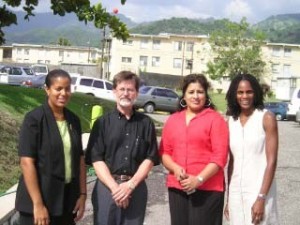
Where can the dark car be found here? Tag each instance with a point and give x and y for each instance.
(35, 82)
(278, 108)
(153, 98)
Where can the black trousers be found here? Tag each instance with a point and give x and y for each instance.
(106, 212)
(199, 208)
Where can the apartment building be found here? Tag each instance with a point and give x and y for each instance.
(165, 54)
(180, 55)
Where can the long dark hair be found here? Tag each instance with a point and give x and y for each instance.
(233, 107)
(196, 78)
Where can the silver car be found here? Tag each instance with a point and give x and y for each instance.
(153, 98)
(16, 75)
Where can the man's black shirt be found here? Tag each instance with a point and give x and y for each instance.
(123, 144)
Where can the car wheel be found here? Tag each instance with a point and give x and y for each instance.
(278, 117)
(149, 108)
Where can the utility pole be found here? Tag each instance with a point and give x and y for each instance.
(102, 52)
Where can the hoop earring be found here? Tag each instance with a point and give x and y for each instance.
(182, 103)
(209, 103)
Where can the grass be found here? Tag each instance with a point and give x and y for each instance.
(15, 103)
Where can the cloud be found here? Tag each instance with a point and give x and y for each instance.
(237, 9)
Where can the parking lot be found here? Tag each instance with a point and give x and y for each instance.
(287, 176)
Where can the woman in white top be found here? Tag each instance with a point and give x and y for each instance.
(253, 155)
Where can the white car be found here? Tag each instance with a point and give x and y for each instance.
(99, 88)
(294, 105)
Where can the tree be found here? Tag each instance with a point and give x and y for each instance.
(63, 42)
(236, 50)
(82, 8)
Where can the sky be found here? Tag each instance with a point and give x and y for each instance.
(151, 10)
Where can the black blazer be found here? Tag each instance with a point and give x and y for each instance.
(40, 139)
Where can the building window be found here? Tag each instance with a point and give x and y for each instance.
(126, 59)
(294, 84)
(287, 52)
(286, 70)
(47, 61)
(155, 61)
(19, 51)
(156, 44)
(177, 63)
(275, 68)
(26, 51)
(276, 51)
(143, 60)
(189, 46)
(40, 61)
(178, 45)
(144, 43)
(128, 42)
(61, 53)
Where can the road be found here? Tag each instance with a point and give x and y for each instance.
(287, 177)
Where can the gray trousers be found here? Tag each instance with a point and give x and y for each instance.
(106, 212)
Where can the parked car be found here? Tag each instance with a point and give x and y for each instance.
(35, 82)
(153, 98)
(278, 108)
(15, 75)
(294, 105)
(92, 86)
(40, 69)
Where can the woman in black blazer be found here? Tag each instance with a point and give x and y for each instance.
(52, 187)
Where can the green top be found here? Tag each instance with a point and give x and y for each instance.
(65, 136)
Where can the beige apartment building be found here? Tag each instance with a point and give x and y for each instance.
(180, 55)
(165, 54)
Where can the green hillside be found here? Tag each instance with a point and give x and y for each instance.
(283, 28)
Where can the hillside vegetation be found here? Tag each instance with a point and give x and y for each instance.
(15, 103)
(46, 28)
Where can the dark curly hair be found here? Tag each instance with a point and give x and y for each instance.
(196, 78)
(233, 107)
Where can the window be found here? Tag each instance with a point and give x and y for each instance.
(126, 59)
(287, 52)
(144, 43)
(143, 60)
(177, 63)
(26, 51)
(109, 86)
(275, 68)
(171, 94)
(159, 92)
(61, 53)
(16, 71)
(178, 45)
(144, 90)
(86, 82)
(19, 50)
(156, 44)
(128, 42)
(155, 61)
(98, 84)
(189, 46)
(276, 51)
(286, 70)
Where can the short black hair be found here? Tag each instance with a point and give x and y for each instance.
(233, 108)
(54, 74)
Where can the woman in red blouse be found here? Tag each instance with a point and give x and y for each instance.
(194, 149)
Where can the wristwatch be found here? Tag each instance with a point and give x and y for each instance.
(200, 179)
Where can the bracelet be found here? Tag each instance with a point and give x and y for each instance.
(131, 185)
(261, 196)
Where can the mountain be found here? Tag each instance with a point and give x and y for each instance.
(283, 28)
(46, 28)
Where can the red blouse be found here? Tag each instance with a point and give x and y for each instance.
(193, 146)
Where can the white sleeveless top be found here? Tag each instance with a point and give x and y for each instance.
(247, 145)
